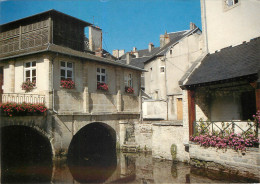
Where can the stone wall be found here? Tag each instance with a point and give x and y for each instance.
(244, 164)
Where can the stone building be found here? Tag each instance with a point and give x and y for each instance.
(223, 88)
(50, 47)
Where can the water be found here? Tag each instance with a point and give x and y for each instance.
(120, 168)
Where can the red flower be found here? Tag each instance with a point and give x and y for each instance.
(129, 89)
(102, 86)
(67, 84)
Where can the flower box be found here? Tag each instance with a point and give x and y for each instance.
(67, 84)
(129, 89)
(28, 85)
(15, 109)
(102, 86)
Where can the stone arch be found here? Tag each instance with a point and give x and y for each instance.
(26, 148)
(33, 126)
(93, 147)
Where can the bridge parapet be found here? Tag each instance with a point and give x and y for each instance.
(20, 98)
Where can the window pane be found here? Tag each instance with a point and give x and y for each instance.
(27, 73)
(98, 70)
(34, 63)
(98, 78)
(103, 71)
(62, 64)
(27, 79)
(27, 65)
(34, 79)
(62, 78)
(33, 73)
(62, 73)
(69, 74)
(103, 78)
(69, 65)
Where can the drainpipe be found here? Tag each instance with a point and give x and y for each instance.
(52, 73)
(166, 88)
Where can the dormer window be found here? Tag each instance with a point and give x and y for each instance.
(228, 4)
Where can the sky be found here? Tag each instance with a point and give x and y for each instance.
(125, 23)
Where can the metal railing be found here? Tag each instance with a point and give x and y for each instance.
(20, 98)
(223, 127)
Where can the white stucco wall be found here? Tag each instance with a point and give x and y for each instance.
(232, 26)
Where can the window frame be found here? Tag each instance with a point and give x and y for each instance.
(66, 69)
(129, 80)
(100, 73)
(31, 68)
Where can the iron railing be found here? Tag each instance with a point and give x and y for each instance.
(223, 127)
(20, 98)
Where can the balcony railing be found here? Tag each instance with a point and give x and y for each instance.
(222, 127)
(20, 98)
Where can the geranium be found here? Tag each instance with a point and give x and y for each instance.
(67, 84)
(102, 86)
(12, 108)
(257, 118)
(129, 89)
(28, 85)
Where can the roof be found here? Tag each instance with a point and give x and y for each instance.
(146, 56)
(65, 51)
(41, 15)
(230, 63)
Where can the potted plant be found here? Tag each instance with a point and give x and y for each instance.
(129, 89)
(102, 86)
(28, 85)
(67, 84)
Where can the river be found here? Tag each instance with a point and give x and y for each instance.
(119, 168)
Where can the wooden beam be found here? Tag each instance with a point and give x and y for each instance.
(257, 99)
(191, 110)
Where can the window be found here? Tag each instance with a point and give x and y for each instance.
(162, 69)
(66, 70)
(228, 4)
(129, 80)
(30, 71)
(171, 52)
(101, 75)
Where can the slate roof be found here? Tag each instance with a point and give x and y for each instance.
(230, 63)
(146, 56)
(65, 51)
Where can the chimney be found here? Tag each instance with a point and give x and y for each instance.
(164, 39)
(115, 53)
(192, 26)
(95, 38)
(121, 52)
(128, 58)
(134, 49)
(99, 53)
(150, 47)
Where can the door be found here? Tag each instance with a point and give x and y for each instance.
(179, 109)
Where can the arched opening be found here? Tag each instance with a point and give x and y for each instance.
(92, 153)
(26, 155)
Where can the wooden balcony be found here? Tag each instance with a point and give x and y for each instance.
(20, 98)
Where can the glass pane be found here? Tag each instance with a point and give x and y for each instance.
(98, 78)
(27, 79)
(69, 74)
(103, 78)
(27, 65)
(98, 70)
(62, 64)
(27, 73)
(34, 63)
(34, 79)
(103, 71)
(69, 65)
(62, 73)
(62, 78)
(33, 73)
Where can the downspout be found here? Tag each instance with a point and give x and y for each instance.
(166, 88)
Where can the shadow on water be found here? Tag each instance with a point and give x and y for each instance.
(92, 154)
(26, 156)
